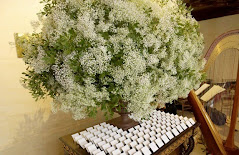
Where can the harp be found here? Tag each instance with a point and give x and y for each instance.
(228, 40)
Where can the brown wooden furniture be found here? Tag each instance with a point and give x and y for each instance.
(211, 136)
(173, 147)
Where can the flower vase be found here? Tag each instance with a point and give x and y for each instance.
(124, 121)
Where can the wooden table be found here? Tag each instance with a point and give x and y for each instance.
(174, 146)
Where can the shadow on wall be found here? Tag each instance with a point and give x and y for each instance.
(38, 137)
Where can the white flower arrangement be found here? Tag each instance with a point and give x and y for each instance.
(91, 54)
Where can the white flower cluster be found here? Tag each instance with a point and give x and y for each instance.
(144, 52)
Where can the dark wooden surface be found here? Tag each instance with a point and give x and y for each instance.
(68, 141)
